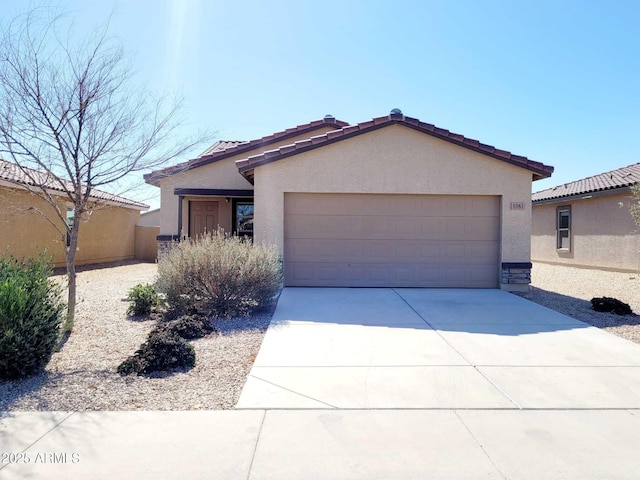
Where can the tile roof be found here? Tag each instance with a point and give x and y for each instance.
(622, 177)
(247, 165)
(220, 146)
(226, 148)
(11, 172)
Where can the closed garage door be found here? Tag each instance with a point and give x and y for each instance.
(361, 240)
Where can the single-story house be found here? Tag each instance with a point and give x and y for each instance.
(25, 230)
(587, 223)
(389, 202)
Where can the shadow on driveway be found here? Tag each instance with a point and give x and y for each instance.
(474, 310)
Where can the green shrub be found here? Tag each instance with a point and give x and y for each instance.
(144, 299)
(188, 327)
(610, 305)
(31, 312)
(160, 353)
(219, 275)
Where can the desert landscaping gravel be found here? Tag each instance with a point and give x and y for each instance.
(82, 376)
(569, 289)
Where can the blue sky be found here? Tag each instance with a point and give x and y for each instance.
(556, 81)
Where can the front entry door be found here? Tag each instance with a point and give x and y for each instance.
(203, 217)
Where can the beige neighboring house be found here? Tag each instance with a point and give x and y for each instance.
(389, 202)
(150, 218)
(587, 223)
(108, 236)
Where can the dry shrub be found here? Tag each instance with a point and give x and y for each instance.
(219, 275)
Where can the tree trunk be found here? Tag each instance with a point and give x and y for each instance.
(71, 298)
(71, 282)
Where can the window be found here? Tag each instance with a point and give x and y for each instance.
(243, 213)
(563, 228)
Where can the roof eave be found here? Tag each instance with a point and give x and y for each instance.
(539, 170)
(61, 193)
(152, 179)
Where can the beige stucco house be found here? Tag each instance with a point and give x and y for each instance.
(108, 236)
(587, 223)
(391, 201)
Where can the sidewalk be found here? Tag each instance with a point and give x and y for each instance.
(322, 444)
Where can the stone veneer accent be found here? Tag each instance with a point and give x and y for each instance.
(165, 243)
(516, 273)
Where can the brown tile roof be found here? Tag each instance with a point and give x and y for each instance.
(247, 165)
(622, 177)
(10, 172)
(220, 146)
(226, 149)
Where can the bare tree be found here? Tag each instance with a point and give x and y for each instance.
(72, 118)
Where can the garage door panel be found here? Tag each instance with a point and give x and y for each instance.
(483, 228)
(339, 227)
(308, 204)
(385, 275)
(479, 252)
(391, 240)
(342, 227)
(460, 206)
(469, 228)
(455, 206)
(411, 205)
(484, 207)
(399, 251)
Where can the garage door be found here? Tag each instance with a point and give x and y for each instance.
(361, 240)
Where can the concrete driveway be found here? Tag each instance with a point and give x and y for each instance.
(435, 348)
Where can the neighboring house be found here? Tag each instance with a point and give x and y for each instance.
(25, 232)
(587, 223)
(150, 218)
(390, 202)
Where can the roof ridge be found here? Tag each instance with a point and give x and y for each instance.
(327, 120)
(604, 173)
(395, 117)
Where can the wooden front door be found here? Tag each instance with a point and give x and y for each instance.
(203, 217)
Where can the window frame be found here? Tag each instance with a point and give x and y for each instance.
(565, 209)
(236, 202)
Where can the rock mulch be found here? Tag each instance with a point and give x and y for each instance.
(82, 376)
(569, 290)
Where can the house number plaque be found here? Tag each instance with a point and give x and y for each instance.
(517, 205)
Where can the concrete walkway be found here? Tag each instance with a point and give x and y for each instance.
(377, 384)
